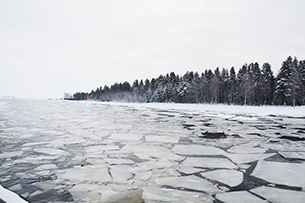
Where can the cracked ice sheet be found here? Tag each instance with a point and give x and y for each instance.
(197, 150)
(293, 155)
(162, 139)
(280, 195)
(83, 192)
(86, 173)
(208, 162)
(120, 174)
(247, 158)
(144, 151)
(247, 149)
(188, 182)
(126, 136)
(239, 197)
(52, 151)
(290, 174)
(8, 196)
(36, 160)
(231, 178)
(156, 195)
(10, 154)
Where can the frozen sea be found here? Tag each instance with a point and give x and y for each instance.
(69, 151)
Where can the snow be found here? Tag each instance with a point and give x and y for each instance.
(223, 108)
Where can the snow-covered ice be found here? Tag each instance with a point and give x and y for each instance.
(68, 151)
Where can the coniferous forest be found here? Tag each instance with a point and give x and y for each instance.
(252, 84)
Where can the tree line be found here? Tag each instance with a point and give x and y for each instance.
(250, 85)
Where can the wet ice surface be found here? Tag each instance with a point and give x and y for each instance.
(58, 151)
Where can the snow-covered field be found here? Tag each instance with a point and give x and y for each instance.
(67, 151)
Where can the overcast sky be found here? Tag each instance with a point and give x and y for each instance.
(48, 47)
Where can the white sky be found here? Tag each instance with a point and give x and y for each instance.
(48, 47)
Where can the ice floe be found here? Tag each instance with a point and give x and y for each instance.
(52, 151)
(8, 196)
(192, 149)
(156, 195)
(239, 197)
(293, 154)
(231, 178)
(187, 182)
(280, 195)
(208, 162)
(281, 173)
(247, 158)
(10, 154)
(85, 173)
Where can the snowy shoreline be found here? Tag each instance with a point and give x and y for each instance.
(297, 111)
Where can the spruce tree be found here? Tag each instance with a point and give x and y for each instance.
(267, 84)
(288, 84)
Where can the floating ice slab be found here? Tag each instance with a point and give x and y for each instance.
(83, 192)
(45, 167)
(126, 136)
(36, 160)
(154, 194)
(248, 148)
(119, 161)
(247, 158)
(120, 174)
(162, 139)
(52, 151)
(191, 149)
(231, 178)
(293, 155)
(188, 169)
(10, 154)
(148, 151)
(86, 173)
(280, 195)
(8, 196)
(208, 162)
(100, 149)
(239, 197)
(189, 182)
(281, 173)
(149, 165)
